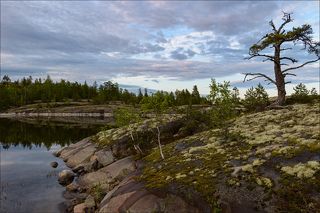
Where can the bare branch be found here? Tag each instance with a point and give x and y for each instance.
(289, 48)
(287, 19)
(273, 26)
(268, 59)
(289, 74)
(257, 75)
(287, 82)
(159, 143)
(259, 55)
(302, 65)
(290, 59)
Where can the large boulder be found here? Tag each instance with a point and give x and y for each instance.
(148, 203)
(104, 157)
(115, 203)
(65, 177)
(92, 179)
(120, 168)
(88, 166)
(132, 196)
(81, 156)
(109, 174)
(65, 152)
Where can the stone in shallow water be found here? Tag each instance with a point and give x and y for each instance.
(54, 164)
(65, 177)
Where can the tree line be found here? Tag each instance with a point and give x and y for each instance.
(29, 91)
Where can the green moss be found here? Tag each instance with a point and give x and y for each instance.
(258, 145)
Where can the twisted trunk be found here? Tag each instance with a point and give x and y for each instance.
(279, 77)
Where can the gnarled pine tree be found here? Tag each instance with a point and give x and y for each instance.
(276, 39)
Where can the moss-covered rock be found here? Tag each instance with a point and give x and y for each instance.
(250, 167)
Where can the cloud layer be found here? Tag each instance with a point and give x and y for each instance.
(178, 41)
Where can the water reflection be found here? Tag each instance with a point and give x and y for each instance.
(39, 133)
(28, 183)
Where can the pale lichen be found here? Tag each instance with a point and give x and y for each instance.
(263, 181)
(300, 170)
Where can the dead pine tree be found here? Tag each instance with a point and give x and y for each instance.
(278, 40)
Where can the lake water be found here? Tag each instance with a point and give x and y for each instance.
(28, 182)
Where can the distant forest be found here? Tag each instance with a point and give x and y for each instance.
(29, 90)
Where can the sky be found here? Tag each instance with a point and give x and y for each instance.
(163, 45)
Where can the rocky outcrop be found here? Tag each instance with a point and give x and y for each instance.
(269, 160)
(132, 196)
(126, 140)
(266, 162)
(107, 174)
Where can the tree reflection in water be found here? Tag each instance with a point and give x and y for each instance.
(42, 133)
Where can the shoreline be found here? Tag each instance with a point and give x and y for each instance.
(115, 179)
(54, 114)
(107, 179)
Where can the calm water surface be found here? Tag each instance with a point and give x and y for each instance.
(28, 182)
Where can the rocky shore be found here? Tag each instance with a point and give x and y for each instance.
(106, 184)
(106, 179)
(265, 162)
(53, 114)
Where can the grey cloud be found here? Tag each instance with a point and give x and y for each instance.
(181, 54)
(178, 55)
(72, 37)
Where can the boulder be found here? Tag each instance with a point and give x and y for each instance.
(119, 169)
(70, 150)
(115, 203)
(65, 177)
(57, 153)
(148, 203)
(110, 194)
(92, 179)
(54, 164)
(90, 166)
(104, 157)
(72, 187)
(108, 175)
(80, 208)
(81, 156)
